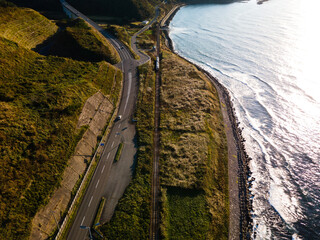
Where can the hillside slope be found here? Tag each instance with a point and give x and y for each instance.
(25, 26)
(40, 102)
(81, 42)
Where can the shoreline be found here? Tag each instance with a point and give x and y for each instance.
(240, 220)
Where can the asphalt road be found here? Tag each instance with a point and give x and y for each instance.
(111, 179)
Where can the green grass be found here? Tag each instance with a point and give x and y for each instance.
(118, 154)
(40, 102)
(193, 154)
(187, 214)
(26, 27)
(147, 39)
(131, 219)
(81, 42)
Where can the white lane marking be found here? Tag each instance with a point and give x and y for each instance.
(108, 155)
(103, 168)
(127, 55)
(128, 94)
(119, 126)
(112, 144)
(83, 220)
(97, 183)
(90, 201)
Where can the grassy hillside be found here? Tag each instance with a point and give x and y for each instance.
(40, 102)
(131, 219)
(26, 27)
(79, 41)
(193, 158)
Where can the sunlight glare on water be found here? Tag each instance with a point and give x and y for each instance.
(268, 57)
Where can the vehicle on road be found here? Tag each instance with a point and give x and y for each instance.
(118, 117)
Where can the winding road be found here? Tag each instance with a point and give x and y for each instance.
(111, 179)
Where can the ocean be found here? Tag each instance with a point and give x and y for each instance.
(267, 56)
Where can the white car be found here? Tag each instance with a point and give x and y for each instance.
(118, 117)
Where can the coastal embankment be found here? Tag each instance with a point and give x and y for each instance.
(240, 221)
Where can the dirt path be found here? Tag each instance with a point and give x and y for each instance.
(240, 223)
(233, 170)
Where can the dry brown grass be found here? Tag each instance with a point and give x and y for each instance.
(183, 155)
(189, 104)
(193, 152)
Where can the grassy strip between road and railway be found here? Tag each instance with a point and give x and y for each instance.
(131, 219)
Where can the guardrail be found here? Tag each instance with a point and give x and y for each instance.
(80, 189)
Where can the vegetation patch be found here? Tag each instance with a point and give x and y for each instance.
(40, 102)
(99, 211)
(184, 154)
(118, 154)
(131, 219)
(147, 39)
(187, 214)
(81, 42)
(193, 156)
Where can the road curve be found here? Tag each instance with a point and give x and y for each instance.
(111, 179)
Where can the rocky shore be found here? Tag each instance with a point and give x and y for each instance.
(242, 173)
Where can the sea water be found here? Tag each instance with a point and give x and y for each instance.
(268, 57)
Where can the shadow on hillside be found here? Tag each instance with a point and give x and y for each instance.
(75, 40)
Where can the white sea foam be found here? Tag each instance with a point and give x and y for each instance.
(259, 53)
